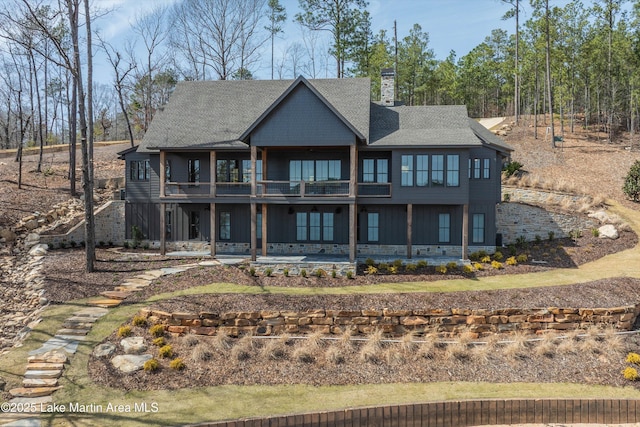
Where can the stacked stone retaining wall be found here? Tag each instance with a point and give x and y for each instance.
(447, 322)
(109, 222)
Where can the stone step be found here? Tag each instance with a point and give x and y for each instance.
(129, 287)
(154, 273)
(105, 303)
(39, 382)
(81, 320)
(73, 331)
(44, 366)
(77, 325)
(9, 418)
(32, 400)
(92, 312)
(138, 281)
(33, 392)
(116, 294)
(49, 357)
(147, 277)
(36, 374)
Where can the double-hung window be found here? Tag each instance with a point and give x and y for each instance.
(478, 228)
(225, 226)
(375, 170)
(140, 170)
(314, 226)
(373, 227)
(193, 166)
(453, 170)
(437, 170)
(194, 225)
(407, 171)
(444, 228)
(476, 169)
(486, 168)
(422, 170)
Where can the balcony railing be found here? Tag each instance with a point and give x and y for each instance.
(302, 188)
(275, 189)
(374, 189)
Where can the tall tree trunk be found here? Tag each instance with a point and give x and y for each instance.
(517, 73)
(549, 88)
(87, 144)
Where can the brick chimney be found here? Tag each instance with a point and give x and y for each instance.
(387, 88)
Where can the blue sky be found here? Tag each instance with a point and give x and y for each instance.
(457, 25)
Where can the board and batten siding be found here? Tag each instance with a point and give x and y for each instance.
(302, 120)
(146, 190)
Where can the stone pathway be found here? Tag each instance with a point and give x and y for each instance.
(45, 365)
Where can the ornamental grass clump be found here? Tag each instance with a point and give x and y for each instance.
(275, 349)
(496, 265)
(335, 355)
(201, 353)
(511, 261)
(243, 348)
(156, 331)
(166, 351)
(442, 269)
(125, 331)
(177, 364)
(159, 342)
(151, 365)
(304, 354)
(630, 373)
(139, 321)
(371, 270)
(633, 358)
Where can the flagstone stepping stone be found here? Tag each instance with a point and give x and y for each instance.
(105, 303)
(146, 277)
(130, 363)
(77, 325)
(133, 345)
(32, 392)
(154, 273)
(42, 374)
(58, 342)
(137, 281)
(73, 331)
(49, 357)
(81, 320)
(39, 382)
(34, 400)
(19, 419)
(172, 270)
(116, 294)
(104, 350)
(43, 366)
(211, 263)
(93, 312)
(128, 288)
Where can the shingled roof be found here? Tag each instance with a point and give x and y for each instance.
(216, 114)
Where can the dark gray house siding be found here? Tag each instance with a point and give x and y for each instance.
(302, 120)
(145, 216)
(146, 189)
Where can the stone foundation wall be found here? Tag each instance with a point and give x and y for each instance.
(341, 269)
(394, 322)
(110, 225)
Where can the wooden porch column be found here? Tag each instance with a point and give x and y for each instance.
(163, 224)
(352, 232)
(254, 233)
(353, 170)
(465, 230)
(163, 173)
(264, 229)
(409, 229)
(212, 171)
(254, 159)
(212, 220)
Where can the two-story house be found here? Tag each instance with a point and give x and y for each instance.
(313, 166)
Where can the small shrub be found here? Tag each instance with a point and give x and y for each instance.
(334, 274)
(411, 267)
(383, 266)
(478, 266)
(630, 373)
(538, 239)
(303, 273)
(511, 168)
(349, 274)
(633, 358)
(595, 232)
(124, 331)
(512, 250)
(423, 264)
(110, 243)
(393, 269)
(156, 331)
(100, 243)
(372, 270)
(63, 245)
(268, 272)
(485, 259)
(139, 321)
(467, 269)
(498, 256)
(397, 263)
(551, 235)
(631, 185)
(285, 272)
(496, 265)
(159, 342)
(521, 241)
(177, 364)
(452, 266)
(151, 365)
(252, 271)
(506, 197)
(145, 246)
(166, 351)
(522, 258)
(511, 261)
(442, 269)
(320, 273)
(369, 261)
(73, 243)
(575, 234)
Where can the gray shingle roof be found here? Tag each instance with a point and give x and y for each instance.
(207, 114)
(441, 125)
(489, 138)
